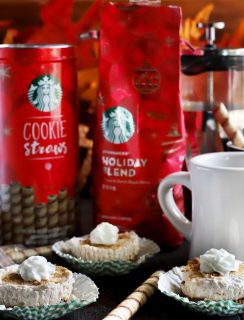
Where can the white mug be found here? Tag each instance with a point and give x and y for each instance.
(216, 181)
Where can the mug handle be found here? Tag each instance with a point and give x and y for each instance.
(168, 205)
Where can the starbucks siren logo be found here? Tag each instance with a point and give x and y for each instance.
(118, 125)
(45, 93)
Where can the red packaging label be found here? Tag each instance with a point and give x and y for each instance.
(140, 134)
(39, 146)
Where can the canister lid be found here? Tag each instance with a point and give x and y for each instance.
(43, 52)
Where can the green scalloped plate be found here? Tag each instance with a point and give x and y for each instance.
(84, 293)
(108, 268)
(169, 285)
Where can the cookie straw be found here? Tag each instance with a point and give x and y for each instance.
(41, 217)
(1, 229)
(6, 215)
(52, 211)
(63, 207)
(18, 254)
(5, 260)
(16, 209)
(28, 211)
(222, 117)
(41, 223)
(127, 308)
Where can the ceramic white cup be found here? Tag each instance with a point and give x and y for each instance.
(216, 181)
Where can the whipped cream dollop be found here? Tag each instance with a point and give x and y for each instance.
(105, 233)
(220, 261)
(36, 268)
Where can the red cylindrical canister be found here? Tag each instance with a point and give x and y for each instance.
(38, 143)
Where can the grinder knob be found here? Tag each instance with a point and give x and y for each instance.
(210, 29)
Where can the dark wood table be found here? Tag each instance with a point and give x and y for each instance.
(113, 290)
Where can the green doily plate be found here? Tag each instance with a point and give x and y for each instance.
(84, 292)
(109, 268)
(169, 284)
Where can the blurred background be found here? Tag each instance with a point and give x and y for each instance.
(22, 13)
(62, 21)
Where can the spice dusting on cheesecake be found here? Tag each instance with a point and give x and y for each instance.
(105, 243)
(36, 282)
(215, 275)
(59, 274)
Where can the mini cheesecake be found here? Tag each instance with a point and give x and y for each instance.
(126, 248)
(14, 291)
(212, 286)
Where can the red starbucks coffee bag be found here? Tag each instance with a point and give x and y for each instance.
(140, 132)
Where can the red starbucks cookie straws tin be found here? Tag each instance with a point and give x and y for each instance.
(38, 143)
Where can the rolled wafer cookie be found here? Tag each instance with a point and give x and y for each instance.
(40, 215)
(16, 209)
(127, 308)
(28, 201)
(63, 207)
(62, 194)
(27, 191)
(222, 117)
(5, 260)
(15, 188)
(28, 210)
(1, 231)
(52, 211)
(16, 198)
(6, 214)
(45, 251)
(18, 255)
(4, 188)
(28, 216)
(15, 191)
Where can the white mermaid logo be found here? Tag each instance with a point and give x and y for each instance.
(45, 93)
(118, 125)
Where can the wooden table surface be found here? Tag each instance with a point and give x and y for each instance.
(114, 290)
